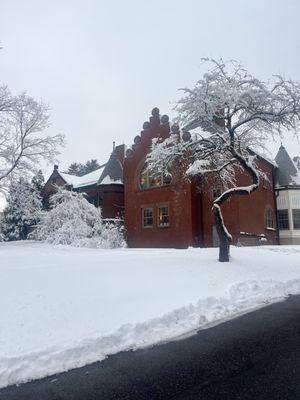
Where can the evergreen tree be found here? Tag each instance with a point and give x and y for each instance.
(91, 166)
(22, 211)
(79, 169)
(76, 169)
(38, 181)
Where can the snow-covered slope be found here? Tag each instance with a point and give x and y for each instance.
(63, 307)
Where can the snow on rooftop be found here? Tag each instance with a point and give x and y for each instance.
(85, 180)
(109, 181)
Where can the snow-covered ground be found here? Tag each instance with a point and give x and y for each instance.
(64, 307)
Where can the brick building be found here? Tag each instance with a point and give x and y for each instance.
(103, 187)
(170, 211)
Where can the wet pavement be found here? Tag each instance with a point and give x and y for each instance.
(255, 356)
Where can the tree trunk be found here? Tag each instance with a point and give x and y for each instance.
(224, 237)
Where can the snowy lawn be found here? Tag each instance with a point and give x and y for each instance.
(64, 307)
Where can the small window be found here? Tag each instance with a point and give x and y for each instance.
(296, 219)
(163, 219)
(216, 192)
(269, 219)
(283, 219)
(147, 215)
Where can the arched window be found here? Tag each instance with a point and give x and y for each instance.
(148, 179)
(269, 218)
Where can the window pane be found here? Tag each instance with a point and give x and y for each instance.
(283, 219)
(149, 179)
(269, 221)
(154, 181)
(163, 216)
(167, 178)
(296, 219)
(143, 180)
(147, 217)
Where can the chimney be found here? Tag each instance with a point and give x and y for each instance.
(55, 167)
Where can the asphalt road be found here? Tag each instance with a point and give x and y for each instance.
(256, 356)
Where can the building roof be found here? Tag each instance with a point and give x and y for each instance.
(110, 173)
(84, 180)
(288, 173)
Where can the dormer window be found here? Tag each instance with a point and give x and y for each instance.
(148, 179)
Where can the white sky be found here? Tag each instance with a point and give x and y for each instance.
(103, 65)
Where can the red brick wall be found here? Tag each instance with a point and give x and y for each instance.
(191, 218)
(178, 196)
(244, 213)
(112, 203)
(49, 188)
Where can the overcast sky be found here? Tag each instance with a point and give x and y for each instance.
(103, 65)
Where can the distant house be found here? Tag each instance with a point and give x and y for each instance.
(288, 197)
(170, 211)
(103, 187)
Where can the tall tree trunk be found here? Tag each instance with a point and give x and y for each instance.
(224, 235)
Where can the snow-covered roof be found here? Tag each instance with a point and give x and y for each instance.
(109, 181)
(264, 157)
(85, 180)
(288, 173)
(113, 171)
(110, 173)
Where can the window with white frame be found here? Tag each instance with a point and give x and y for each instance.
(147, 217)
(163, 217)
(283, 220)
(269, 219)
(296, 219)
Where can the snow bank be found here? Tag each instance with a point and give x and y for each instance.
(65, 307)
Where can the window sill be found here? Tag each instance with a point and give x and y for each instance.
(271, 229)
(139, 189)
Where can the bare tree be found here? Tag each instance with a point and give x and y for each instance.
(229, 112)
(22, 141)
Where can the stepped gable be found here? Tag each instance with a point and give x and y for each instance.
(157, 127)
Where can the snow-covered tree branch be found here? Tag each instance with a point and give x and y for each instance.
(72, 220)
(22, 141)
(230, 113)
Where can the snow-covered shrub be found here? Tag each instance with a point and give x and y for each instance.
(1, 233)
(23, 210)
(72, 220)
